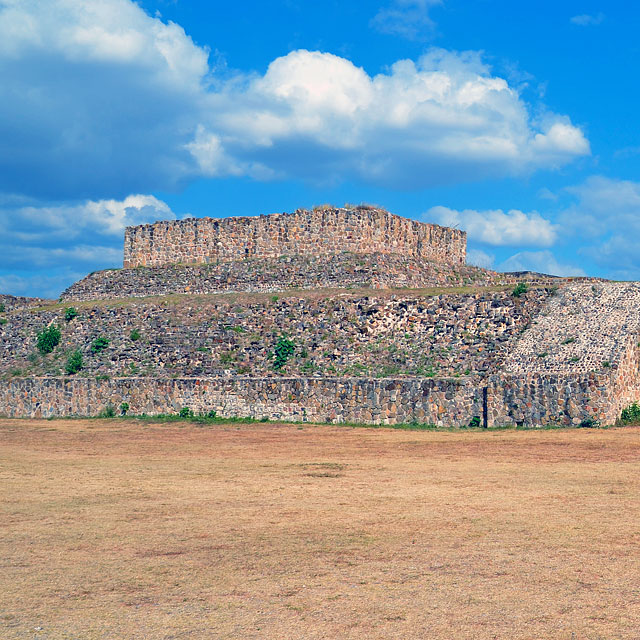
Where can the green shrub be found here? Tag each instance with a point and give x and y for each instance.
(590, 423)
(631, 414)
(134, 335)
(2, 307)
(474, 423)
(99, 344)
(520, 289)
(124, 407)
(48, 339)
(107, 412)
(283, 351)
(3, 321)
(74, 362)
(185, 412)
(274, 298)
(70, 313)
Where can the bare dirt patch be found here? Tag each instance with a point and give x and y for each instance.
(112, 529)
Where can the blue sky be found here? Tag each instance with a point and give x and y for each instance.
(514, 121)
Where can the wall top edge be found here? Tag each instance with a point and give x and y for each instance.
(297, 212)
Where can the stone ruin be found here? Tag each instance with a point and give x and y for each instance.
(322, 231)
(388, 325)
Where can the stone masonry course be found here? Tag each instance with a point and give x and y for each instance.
(322, 231)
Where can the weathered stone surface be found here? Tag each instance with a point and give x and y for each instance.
(299, 399)
(322, 231)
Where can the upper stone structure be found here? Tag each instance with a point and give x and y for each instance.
(322, 231)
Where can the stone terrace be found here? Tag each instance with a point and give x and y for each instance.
(405, 334)
(342, 270)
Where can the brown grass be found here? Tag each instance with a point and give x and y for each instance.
(115, 529)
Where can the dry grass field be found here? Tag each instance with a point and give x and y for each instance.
(120, 529)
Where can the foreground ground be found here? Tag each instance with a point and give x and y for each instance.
(113, 529)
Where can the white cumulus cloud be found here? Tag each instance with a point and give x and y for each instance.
(441, 119)
(99, 100)
(497, 227)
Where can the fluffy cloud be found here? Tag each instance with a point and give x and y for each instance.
(101, 100)
(406, 18)
(539, 261)
(441, 119)
(497, 227)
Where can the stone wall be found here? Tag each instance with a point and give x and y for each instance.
(551, 399)
(324, 231)
(532, 400)
(386, 401)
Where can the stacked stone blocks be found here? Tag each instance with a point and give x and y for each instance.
(318, 232)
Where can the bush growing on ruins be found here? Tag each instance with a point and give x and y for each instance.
(70, 313)
(124, 407)
(520, 289)
(134, 335)
(283, 351)
(590, 423)
(631, 414)
(3, 321)
(99, 344)
(185, 412)
(74, 362)
(48, 339)
(2, 308)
